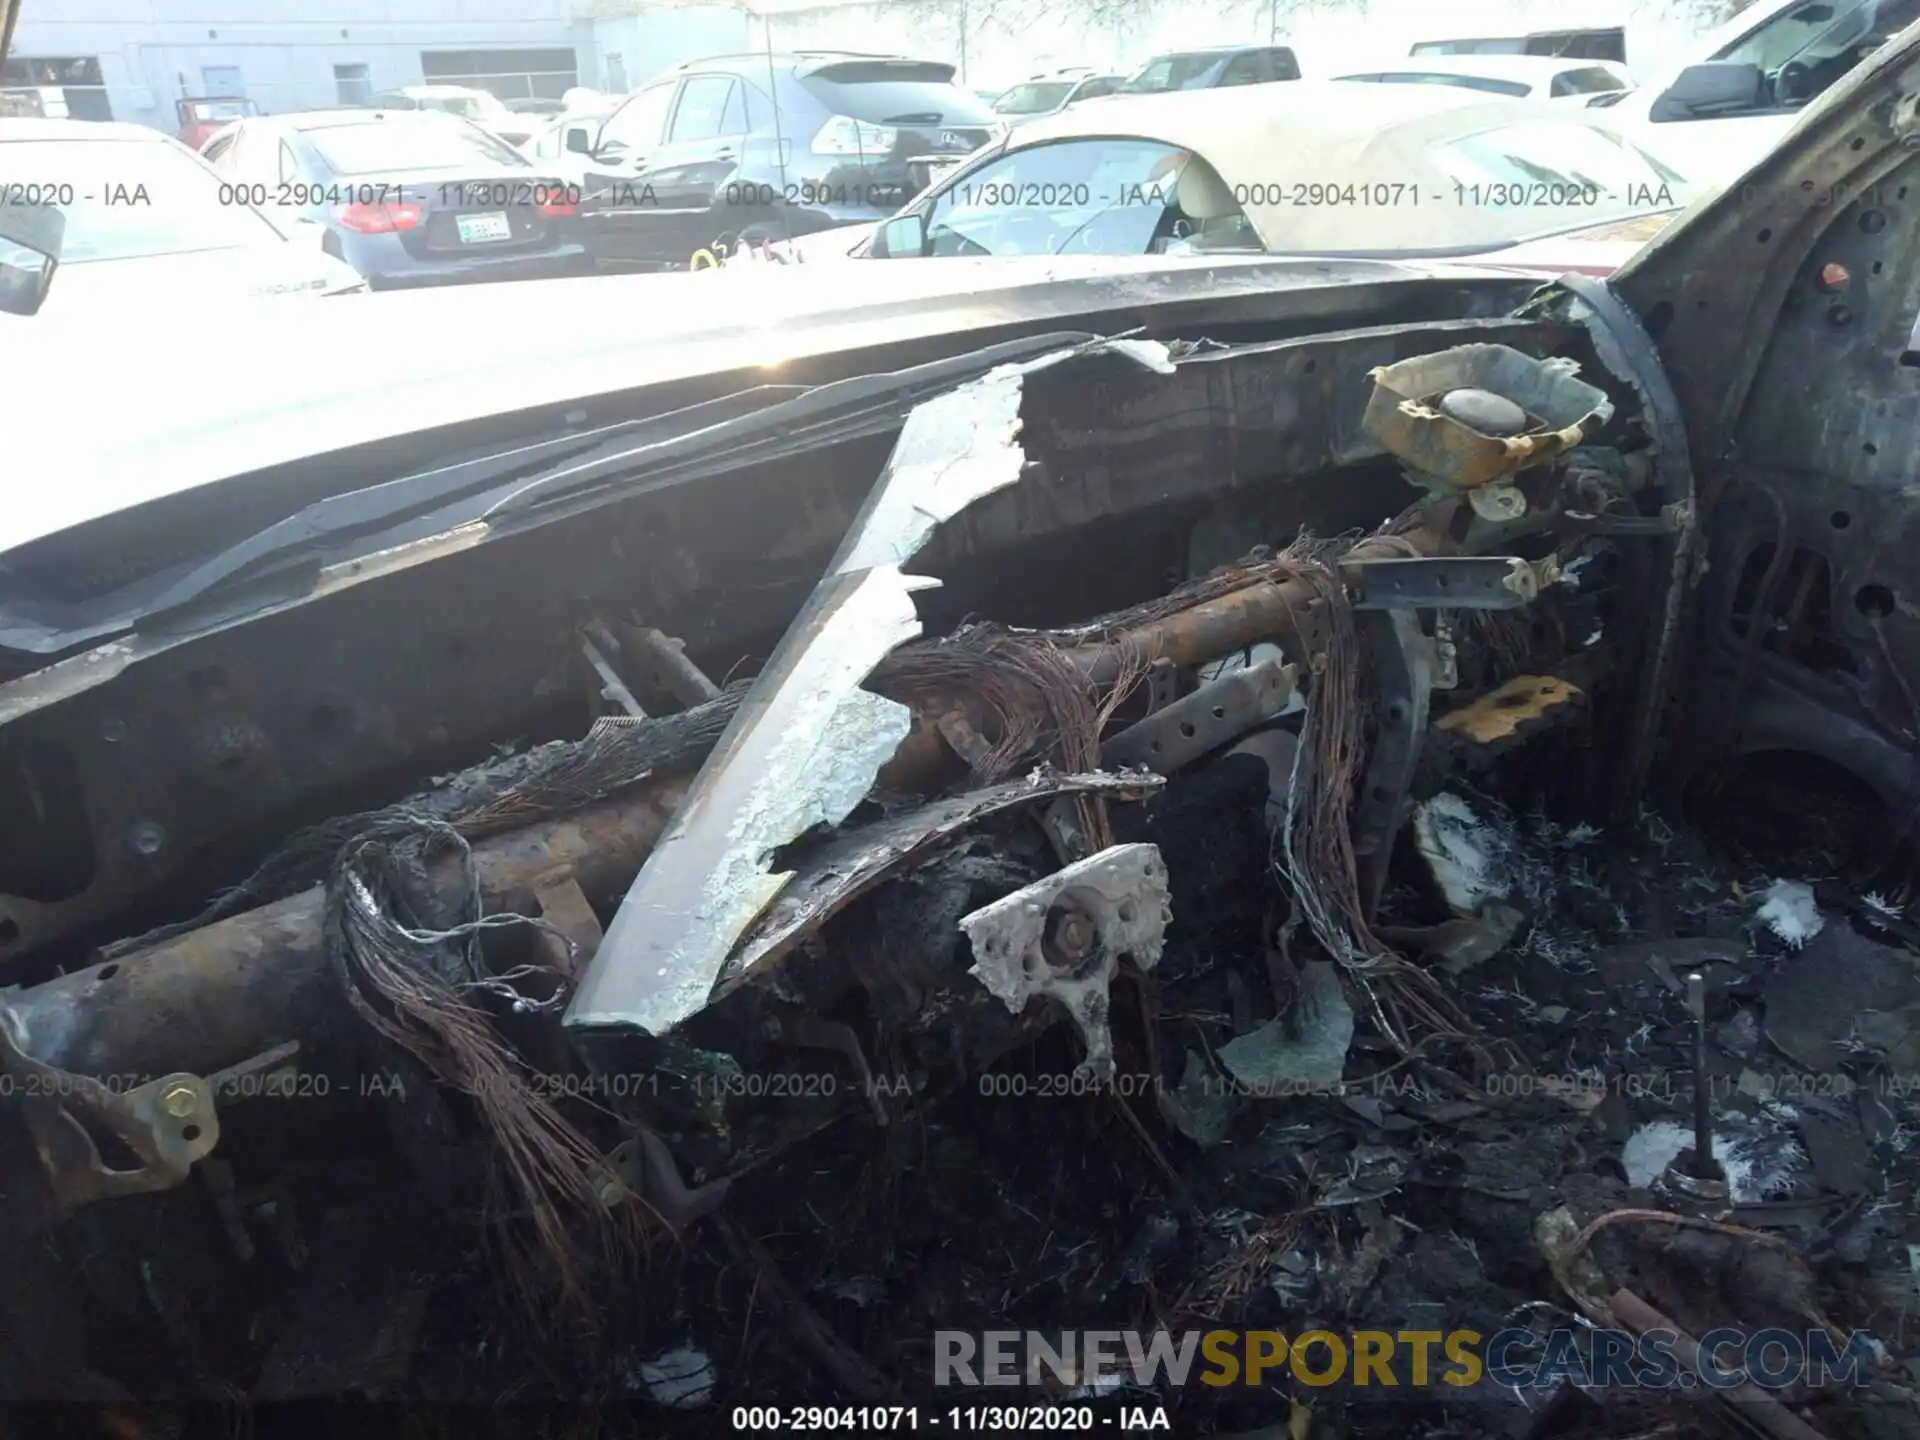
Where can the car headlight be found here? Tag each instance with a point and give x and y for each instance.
(843, 135)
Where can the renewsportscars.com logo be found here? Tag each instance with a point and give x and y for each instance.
(1771, 1359)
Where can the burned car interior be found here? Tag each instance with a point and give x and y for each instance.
(1319, 816)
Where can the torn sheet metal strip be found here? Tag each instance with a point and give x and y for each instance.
(806, 745)
(801, 752)
(1448, 582)
(848, 867)
(1404, 675)
(1063, 936)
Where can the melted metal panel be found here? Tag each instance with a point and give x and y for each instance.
(806, 745)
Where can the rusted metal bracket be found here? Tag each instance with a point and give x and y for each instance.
(1458, 582)
(166, 1124)
(1198, 724)
(1403, 673)
(1512, 712)
(563, 905)
(645, 1167)
(1671, 520)
(958, 729)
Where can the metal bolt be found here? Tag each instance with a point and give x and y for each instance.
(1075, 935)
(1704, 1165)
(179, 1102)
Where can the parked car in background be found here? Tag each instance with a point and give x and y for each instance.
(770, 146)
(1424, 172)
(482, 107)
(1209, 68)
(1520, 77)
(201, 116)
(564, 144)
(1052, 92)
(1608, 42)
(148, 222)
(1746, 83)
(536, 106)
(407, 197)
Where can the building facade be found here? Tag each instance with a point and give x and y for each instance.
(133, 59)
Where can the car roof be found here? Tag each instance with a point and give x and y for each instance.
(1534, 69)
(1214, 50)
(793, 57)
(360, 115)
(1242, 130)
(28, 127)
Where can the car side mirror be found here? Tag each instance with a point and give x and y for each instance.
(578, 141)
(1712, 87)
(30, 238)
(901, 237)
(609, 152)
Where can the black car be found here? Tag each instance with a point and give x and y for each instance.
(1208, 69)
(407, 197)
(770, 146)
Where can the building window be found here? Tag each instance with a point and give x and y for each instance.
(352, 84)
(509, 74)
(66, 87)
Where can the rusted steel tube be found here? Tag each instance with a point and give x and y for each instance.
(1756, 1405)
(218, 995)
(1270, 610)
(1284, 612)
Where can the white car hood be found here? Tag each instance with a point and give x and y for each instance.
(821, 247)
(197, 277)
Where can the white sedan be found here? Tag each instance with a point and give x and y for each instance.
(148, 222)
(1430, 172)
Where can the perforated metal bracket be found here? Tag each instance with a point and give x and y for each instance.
(1063, 936)
(1459, 582)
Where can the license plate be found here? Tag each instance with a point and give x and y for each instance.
(477, 229)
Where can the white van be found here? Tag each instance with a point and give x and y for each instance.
(1712, 117)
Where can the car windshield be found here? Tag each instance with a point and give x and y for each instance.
(401, 142)
(1175, 72)
(127, 200)
(1588, 80)
(1034, 98)
(1622, 176)
(1106, 196)
(1809, 47)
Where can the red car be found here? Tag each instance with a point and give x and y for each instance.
(201, 115)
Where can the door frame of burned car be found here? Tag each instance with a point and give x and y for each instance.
(1793, 376)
